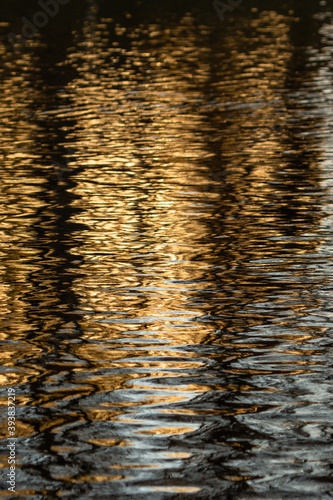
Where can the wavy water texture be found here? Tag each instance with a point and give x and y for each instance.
(166, 259)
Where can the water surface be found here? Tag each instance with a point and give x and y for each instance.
(166, 204)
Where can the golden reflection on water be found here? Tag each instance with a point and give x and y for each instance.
(154, 225)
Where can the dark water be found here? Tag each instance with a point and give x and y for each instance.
(166, 206)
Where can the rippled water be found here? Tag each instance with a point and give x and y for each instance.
(166, 205)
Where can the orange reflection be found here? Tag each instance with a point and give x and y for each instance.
(172, 224)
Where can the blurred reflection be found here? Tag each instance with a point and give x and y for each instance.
(163, 230)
